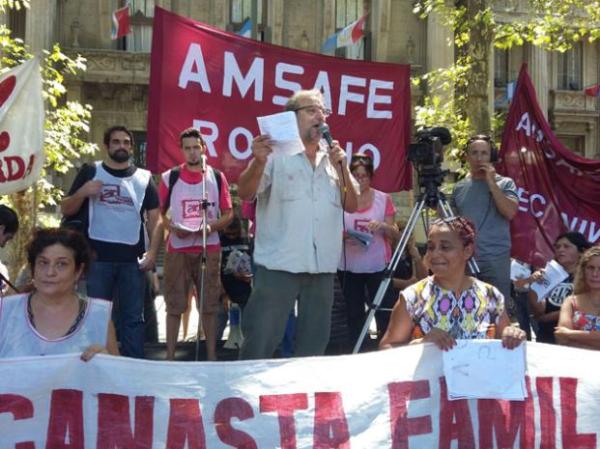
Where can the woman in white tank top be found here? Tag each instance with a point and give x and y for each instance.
(53, 319)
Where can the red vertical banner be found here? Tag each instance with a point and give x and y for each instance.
(220, 82)
(558, 190)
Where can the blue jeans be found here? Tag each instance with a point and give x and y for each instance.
(123, 283)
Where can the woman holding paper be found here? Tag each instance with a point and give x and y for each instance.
(367, 251)
(579, 322)
(54, 319)
(450, 305)
(568, 248)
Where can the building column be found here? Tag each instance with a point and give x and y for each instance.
(40, 25)
(381, 13)
(537, 60)
(440, 55)
(276, 20)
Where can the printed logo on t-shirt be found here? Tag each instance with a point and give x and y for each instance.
(559, 293)
(191, 208)
(360, 224)
(111, 194)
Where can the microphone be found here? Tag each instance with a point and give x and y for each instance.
(203, 162)
(324, 130)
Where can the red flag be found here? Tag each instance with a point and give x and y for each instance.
(121, 26)
(593, 91)
(558, 190)
(220, 82)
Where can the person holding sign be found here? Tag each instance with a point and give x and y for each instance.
(54, 319)
(363, 261)
(579, 321)
(450, 305)
(545, 307)
(300, 200)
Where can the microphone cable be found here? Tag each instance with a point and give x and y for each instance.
(324, 130)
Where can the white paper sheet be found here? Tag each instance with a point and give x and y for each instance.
(183, 227)
(518, 270)
(283, 130)
(483, 369)
(554, 274)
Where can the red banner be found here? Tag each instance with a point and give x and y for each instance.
(558, 190)
(220, 82)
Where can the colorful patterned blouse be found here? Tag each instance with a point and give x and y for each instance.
(474, 315)
(585, 321)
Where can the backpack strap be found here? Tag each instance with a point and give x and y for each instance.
(218, 179)
(173, 177)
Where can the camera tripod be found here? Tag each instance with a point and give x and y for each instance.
(429, 196)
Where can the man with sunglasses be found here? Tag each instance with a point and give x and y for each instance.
(490, 201)
(298, 233)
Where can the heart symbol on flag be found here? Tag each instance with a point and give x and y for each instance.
(4, 141)
(6, 88)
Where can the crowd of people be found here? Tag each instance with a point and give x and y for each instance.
(316, 221)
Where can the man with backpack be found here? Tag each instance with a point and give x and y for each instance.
(116, 204)
(181, 192)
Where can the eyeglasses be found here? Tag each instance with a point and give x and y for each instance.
(312, 109)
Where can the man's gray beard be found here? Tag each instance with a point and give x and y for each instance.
(117, 156)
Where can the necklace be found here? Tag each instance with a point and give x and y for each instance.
(80, 314)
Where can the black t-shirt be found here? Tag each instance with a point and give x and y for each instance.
(553, 302)
(116, 252)
(237, 290)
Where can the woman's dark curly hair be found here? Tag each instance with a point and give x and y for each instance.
(69, 238)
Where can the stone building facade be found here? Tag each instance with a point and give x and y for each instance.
(116, 80)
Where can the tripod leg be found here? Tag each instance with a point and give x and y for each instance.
(389, 271)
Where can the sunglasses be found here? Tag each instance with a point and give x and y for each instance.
(360, 159)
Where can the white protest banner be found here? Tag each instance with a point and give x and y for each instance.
(389, 399)
(21, 127)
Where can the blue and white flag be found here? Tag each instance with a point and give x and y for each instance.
(246, 30)
(346, 36)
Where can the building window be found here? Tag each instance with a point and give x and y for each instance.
(500, 67)
(346, 12)
(240, 10)
(140, 38)
(574, 143)
(139, 152)
(16, 22)
(570, 73)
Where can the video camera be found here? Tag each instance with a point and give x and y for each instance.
(427, 155)
(428, 151)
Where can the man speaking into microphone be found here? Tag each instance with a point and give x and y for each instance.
(299, 232)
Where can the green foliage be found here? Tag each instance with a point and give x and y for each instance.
(13, 4)
(65, 130)
(554, 25)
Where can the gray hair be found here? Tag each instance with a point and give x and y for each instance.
(293, 102)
